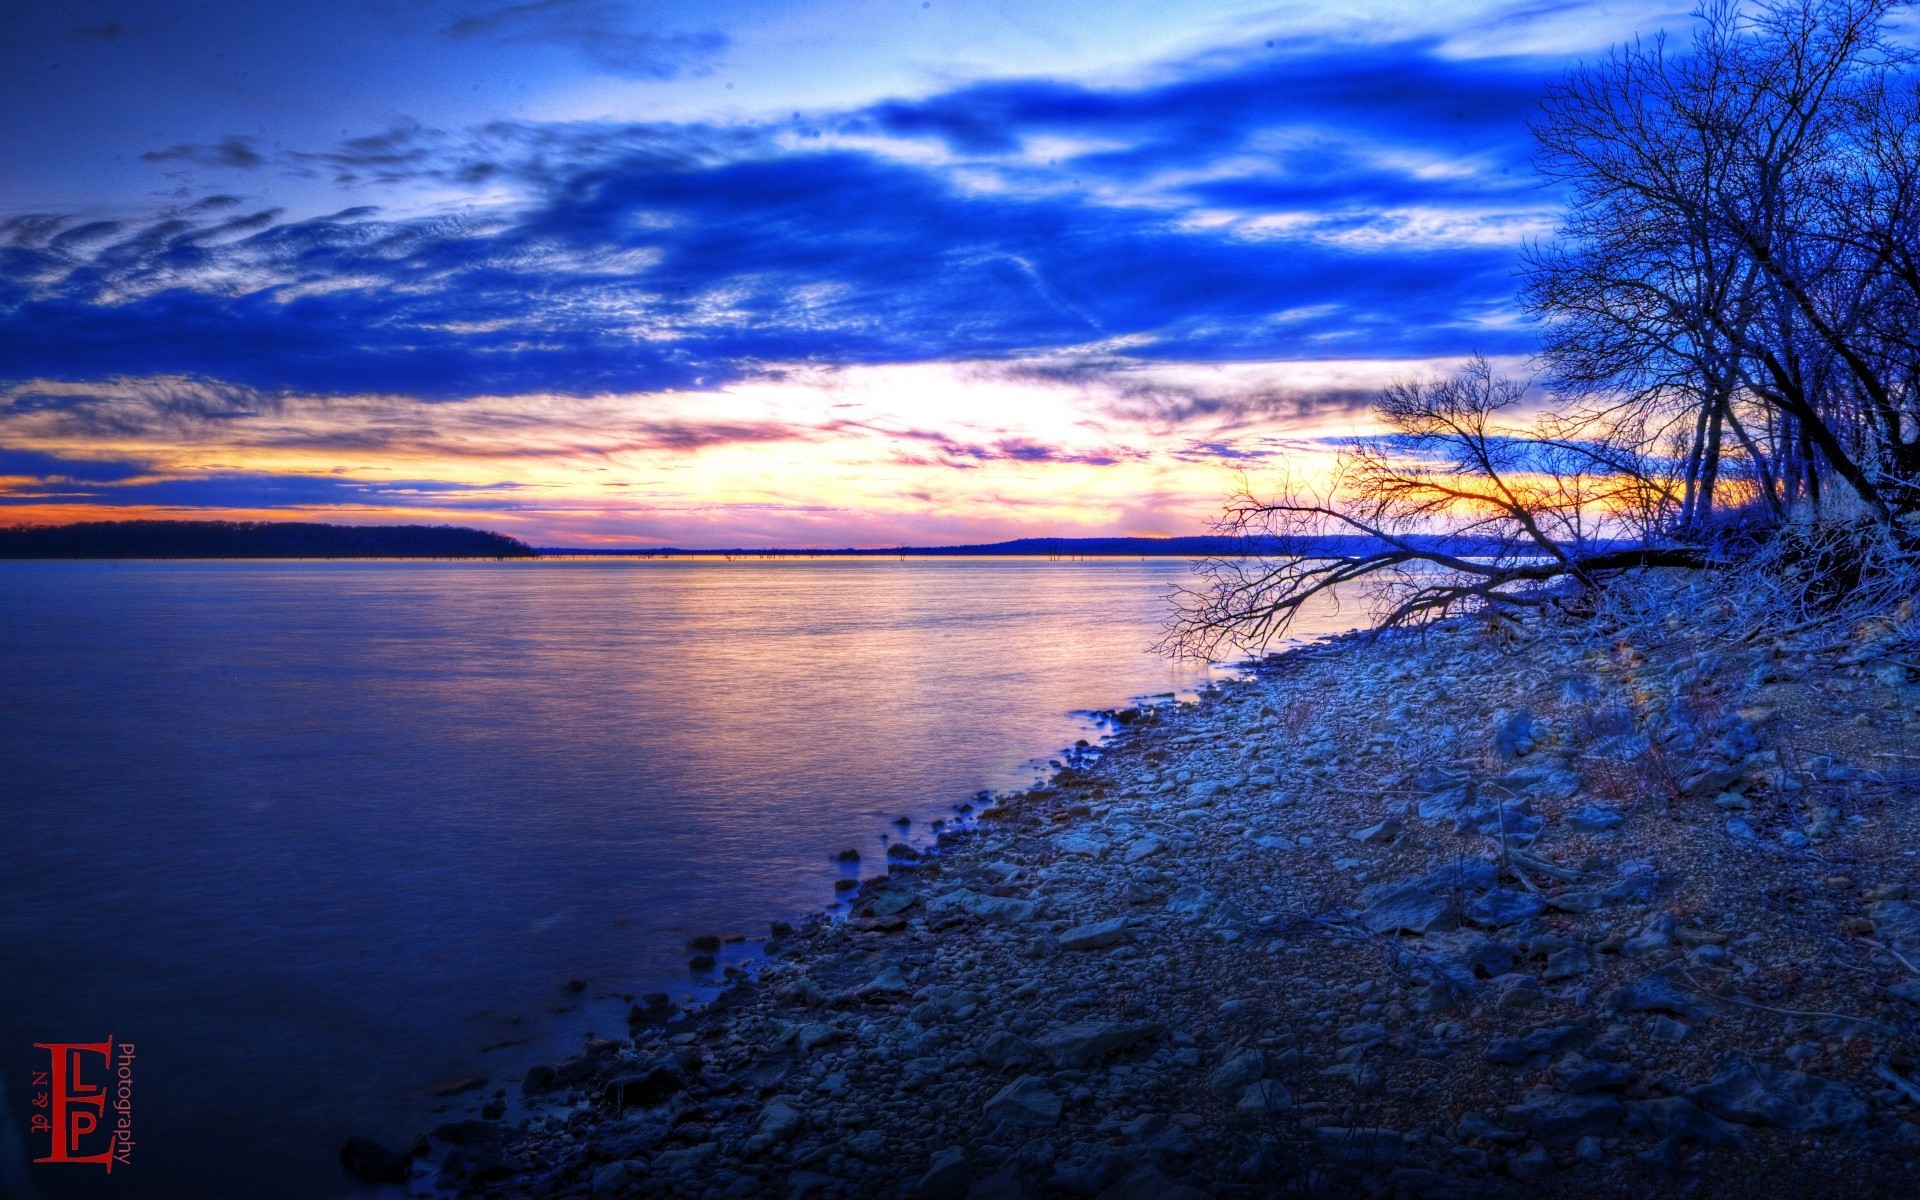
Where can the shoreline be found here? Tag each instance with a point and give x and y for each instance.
(1412, 915)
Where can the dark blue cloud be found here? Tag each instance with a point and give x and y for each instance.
(650, 259)
(50, 469)
(253, 490)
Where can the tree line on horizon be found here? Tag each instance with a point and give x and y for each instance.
(1729, 356)
(254, 539)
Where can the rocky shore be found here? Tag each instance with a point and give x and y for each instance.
(1585, 909)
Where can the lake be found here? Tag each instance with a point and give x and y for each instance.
(317, 837)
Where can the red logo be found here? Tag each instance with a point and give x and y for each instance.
(85, 1098)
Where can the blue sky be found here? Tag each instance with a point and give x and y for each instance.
(745, 273)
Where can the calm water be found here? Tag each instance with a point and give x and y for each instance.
(314, 836)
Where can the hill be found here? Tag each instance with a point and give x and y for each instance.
(254, 539)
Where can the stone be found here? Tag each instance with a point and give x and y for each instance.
(1567, 962)
(1595, 818)
(1147, 1183)
(1544, 1039)
(1086, 1042)
(869, 1145)
(371, 1161)
(1003, 1185)
(1514, 733)
(1530, 1165)
(1265, 1096)
(1026, 1103)
(1095, 935)
(1739, 828)
(778, 1122)
(1232, 1077)
(613, 1179)
(948, 1176)
(1553, 1117)
(1358, 1147)
(1504, 906)
(1083, 844)
(1384, 831)
(1655, 994)
(893, 902)
(1679, 1119)
(1142, 849)
(1472, 1125)
(1579, 1074)
(997, 910)
(1749, 1093)
(889, 982)
(1408, 909)
(1005, 1050)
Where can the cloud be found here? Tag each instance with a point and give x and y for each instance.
(600, 30)
(236, 152)
(1317, 203)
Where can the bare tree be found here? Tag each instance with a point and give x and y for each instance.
(1464, 504)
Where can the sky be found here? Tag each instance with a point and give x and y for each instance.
(817, 273)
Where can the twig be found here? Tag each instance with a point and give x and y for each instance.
(1898, 1080)
(1785, 1012)
(1898, 957)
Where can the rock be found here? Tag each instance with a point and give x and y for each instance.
(1230, 1078)
(889, 982)
(1086, 1042)
(1472, 1125)
(1005, 1050)
(1515, 990)
(1544, 1039)
(1084, 845)
(998, 910)
(1595, 818)
(1552, 1117)
(1530, 1166)
(1749, 1093)
(1679, 1119)
(1711, 780)
(539, 1078)
(1408, 909)
(686, 1161)
(1027, 1103)
(1655, 994)
(1579, 1074)
(468, 1132)
(1589, 1150)
(1265, 1096)
(778, 1122)
(1142, 849)
(1665, 1029)
(1095, 935)
(948, 1177)
(1567, 962)
(1358, 1147)
(1504, 906)
(893, 902)
(1513, 733)
(1190, 902)
(1739, 828)
(1147, 1183)
(1005, 1185)
(613, 1179)
(869, 1145)
(643, 1089)
(371, 1161)
(1385, 831)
